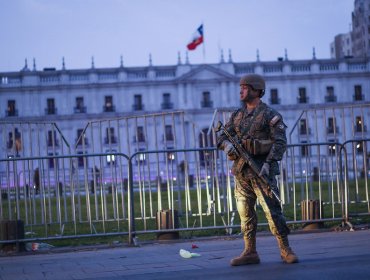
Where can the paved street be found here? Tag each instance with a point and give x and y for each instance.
(323, 255)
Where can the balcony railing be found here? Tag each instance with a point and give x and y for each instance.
(274, 101)
(110, 140)
(358, 97)
(11, 113)
(359, 128)
(79, 110)
(140, 139)
(302, 100)
(82, 142)
(51, 111)
(306, 131)
(330, 98)
(206, 104)
(110, 108)
(332, 129)
(50, 143)
(138, 107)
(167, 105)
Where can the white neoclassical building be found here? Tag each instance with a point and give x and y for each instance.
(128, 109)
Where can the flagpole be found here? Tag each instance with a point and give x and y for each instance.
(204, 46)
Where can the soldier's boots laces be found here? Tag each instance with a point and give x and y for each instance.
(249, 255)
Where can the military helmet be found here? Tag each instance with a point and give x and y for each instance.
(257, 82)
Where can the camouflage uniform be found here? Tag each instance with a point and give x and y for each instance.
(263, 123)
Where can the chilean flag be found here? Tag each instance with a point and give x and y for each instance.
(197, 38)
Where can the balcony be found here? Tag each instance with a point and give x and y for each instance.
(168, 137)
(305, 131)
(52, 143)
(332, 130)
(206, 104)
(9, 144)
(358, 97)
(11, 113)
(82, 142)
(330, 98)
(167, 105)
(138, 107)
(110, 140)
(360, 129)
(139, 139)
(51, 111)
(274, 101)
(302, 100)
(109, 108)
(79, 110)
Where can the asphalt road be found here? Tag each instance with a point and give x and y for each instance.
(322, 255)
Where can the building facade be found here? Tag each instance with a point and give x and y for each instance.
(361, 28)
(130, 109)
(342, 46)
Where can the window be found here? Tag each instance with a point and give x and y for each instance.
(50, 109)
(11, 111)
(332, 128)
(110, 138)
(80, 107)
(330, 97)
(138, 105)
(168, 133)
(52, 162)
(15, 141)
(167, 104)
(274, 96)
(358, 93)
(302, 97)
(305, 149)
(206, 100)
(81, 138)
(81, 159)
(108, 107)
(140, 136)
(303, 130)
(52, 139)
(359, 125)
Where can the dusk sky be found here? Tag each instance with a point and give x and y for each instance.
(77, 30)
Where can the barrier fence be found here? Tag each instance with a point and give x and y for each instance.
(161, 174)
(67, 202)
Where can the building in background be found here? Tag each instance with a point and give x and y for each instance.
(357, 42)
(342, 46)
(361, 28)
(67, 104)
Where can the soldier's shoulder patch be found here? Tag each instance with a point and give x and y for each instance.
(275, 120)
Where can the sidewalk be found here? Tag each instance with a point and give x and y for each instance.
(323, 255)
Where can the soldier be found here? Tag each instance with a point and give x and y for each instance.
(261, 131)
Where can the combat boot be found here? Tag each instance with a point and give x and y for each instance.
(249, 255)
(286, 253)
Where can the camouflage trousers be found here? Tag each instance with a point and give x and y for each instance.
(247, 190)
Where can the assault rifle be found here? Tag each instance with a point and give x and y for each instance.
(246, 157)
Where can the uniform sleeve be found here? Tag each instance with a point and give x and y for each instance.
(278, 137)
(229, 126)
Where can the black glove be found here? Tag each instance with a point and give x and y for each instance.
(265, 170)
(231, 152)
